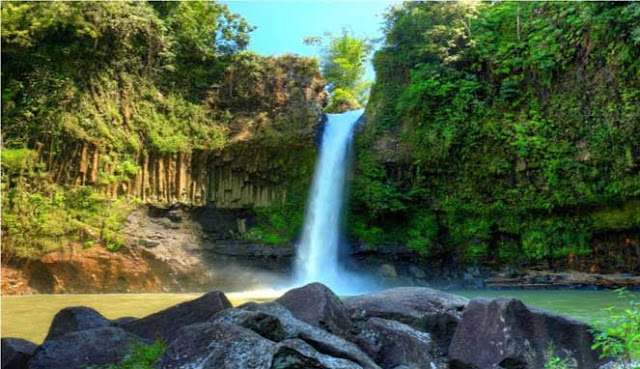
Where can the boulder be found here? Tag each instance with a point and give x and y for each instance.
(392, 344)
(266, 325)
(505, 333)
(317, 305)
(16, 352)
(82, 349)
(76, 318)
(424, 309)
(321, 340)
(297, 354)
(213, 345)
(165, 323)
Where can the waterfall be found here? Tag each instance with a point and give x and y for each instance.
(317, 258)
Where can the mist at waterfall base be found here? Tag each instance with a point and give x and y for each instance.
(318, 251)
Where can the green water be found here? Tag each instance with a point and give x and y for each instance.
(29, 316)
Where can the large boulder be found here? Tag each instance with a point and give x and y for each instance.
(16, 352)
(287, 327)
(505, 333)
(213, 345)
(82, 349)
(76, 318)
(163, 324)
(424, 309)
(317, 305)
(393, 344)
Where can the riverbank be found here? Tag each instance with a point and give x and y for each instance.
(359, 332)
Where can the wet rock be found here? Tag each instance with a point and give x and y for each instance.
(77, 318)
(165, 323)
(504, 332)
(392, 344)
(82, 349)
(321, 340)
(16, 352)
(317, 305)
(213, 345)
(424, 309)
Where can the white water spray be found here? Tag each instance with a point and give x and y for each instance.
(317, 258)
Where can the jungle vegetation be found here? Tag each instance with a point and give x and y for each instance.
(503, 131)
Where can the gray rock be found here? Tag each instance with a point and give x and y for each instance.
(165, 323)
(393, 344)
(123, 320)
(76, 318)
(504, 332)
(81, 349)
(317, 305)
(296, 354)
(317, 338)
(16, 352)
(424, 309)
(213, 345)
(266, 325)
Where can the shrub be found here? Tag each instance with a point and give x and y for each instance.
(619, 335)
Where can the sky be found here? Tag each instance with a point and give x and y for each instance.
(283, 25)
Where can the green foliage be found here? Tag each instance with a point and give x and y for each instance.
(619, 336)
(140, 356)
(343, 65)
(129, 76)
(39, 216)
(15, 160)
(557, 363)
(498, 120)
(342, 100)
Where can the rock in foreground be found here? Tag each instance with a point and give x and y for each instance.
(163, 324)
(505, 333)
(424, 309)
(82, 349)
(16, 352)
(317, 305)
(310, 327)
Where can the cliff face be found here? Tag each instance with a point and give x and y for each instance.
(95, 122)
(503, 134)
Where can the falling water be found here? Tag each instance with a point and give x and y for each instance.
(317, 259)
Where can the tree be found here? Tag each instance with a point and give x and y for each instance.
(343, 65)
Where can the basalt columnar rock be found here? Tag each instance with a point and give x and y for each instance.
(165, 323)
(424, 309)
(505, 333)
(16, 352)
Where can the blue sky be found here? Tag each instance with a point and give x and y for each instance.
(282, 25)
